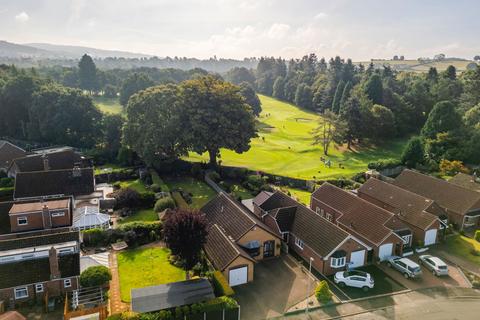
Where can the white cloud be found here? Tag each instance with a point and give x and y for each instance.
(320, 15)
(278, 31)
(22, 17)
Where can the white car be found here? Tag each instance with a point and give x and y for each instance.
(434, 264)
(353, 278)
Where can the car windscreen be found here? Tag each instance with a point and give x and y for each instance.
(414, 269)
(442, 267)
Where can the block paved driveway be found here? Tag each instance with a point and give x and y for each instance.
(278, 284)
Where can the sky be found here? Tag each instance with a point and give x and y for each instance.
(357, 29)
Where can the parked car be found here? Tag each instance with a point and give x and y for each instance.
(407, 267)
(434, 264)
(353, 278)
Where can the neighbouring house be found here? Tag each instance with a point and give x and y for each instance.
(35, 215)
(250, 235)
(74, 182)
(466, 181)
(89, 217)
(44, 160)
(171, 295)
(461, 205)
(39, 263)
(423, 216)
(311, 236)
(377, 227)
(8, 153)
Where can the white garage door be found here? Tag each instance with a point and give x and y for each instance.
(385, 251)
(238, 276)
(430, 237)
(357, 259)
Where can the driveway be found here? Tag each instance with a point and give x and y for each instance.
(277, 285)
(428, 280)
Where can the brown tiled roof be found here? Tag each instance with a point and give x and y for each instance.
(37, 270)
(65, 159)
(38, 205)
(278, 200)
(32, 239)
(54, 182)
(361, 216)
(466, 181)
(284, 217)
(409, 206)
(261, 197)
(231, 216)
(316, 232)
(221, 250)
(8, 152)
(447, 195)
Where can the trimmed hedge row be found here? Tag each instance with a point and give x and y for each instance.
(134, 233)
(220, 285)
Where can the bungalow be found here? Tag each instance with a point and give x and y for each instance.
(423, 216)
(378, 228)
(466, 181)
(44, 160)
(8, 153)
(311, 236)
(36, 264)
(461, 205)
(254, 241)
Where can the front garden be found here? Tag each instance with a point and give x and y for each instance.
(463, 247)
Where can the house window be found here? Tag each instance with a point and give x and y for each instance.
(58, 214)
(67, 283)
(21, 292)
(338, 262)
(328, 216)
(65, 250)
(299, 243)
(39, 287)
(22, 221)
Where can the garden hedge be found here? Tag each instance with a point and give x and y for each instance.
(221, 285)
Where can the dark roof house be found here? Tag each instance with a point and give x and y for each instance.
(8, 153)
(54, 183)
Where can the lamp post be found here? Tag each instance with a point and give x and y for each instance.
(308, 283)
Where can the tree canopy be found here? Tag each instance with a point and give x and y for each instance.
(133, 84)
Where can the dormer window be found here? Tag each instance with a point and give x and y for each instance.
(22, 221)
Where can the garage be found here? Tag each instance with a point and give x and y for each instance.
(430, 237)
(385, 251)
(357, 258)
(238, 276)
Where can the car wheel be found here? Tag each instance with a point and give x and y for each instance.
(406, 275)
(365, 288)
(341, 284)
(434, 273)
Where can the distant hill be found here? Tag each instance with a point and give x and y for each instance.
(77, 51)
(422, 66)
(53, 51)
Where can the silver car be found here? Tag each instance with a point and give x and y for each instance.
(407, 267)
(434, 264)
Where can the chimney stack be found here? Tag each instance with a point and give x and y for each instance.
(53, 259)
(47, 220)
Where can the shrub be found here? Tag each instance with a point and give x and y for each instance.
(155, 188)
(164, 203)
(384, 164)
(322, 292)
(126, 198)
(94, 237)
(95, 276)
(221, 285)
(6, 182)
(214, 176)
(142, 231)
(147, 199)
(452, 167)
(477, 235)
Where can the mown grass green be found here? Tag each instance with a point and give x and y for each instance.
(108, 105)
(284, 147)
(140, 268)
(201, 192)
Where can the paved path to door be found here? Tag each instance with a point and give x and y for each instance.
(116, 303)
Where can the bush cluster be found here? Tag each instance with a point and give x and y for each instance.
(164, 203)
(95, 276)
(134, 233)
(220, 284)
(384, 164)
(117, 175)
(6, 182)
(322, 292)
(130, 198)
(477, 235)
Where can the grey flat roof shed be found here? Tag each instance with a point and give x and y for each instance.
(171, 295)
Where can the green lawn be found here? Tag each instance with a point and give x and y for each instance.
(301, 195)
(284, 147)
(108, 105)
(141, 215)
(108, 168)
(463, 247)
(137, 185)
(239, 191)
(201, 192)
(140, 268)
